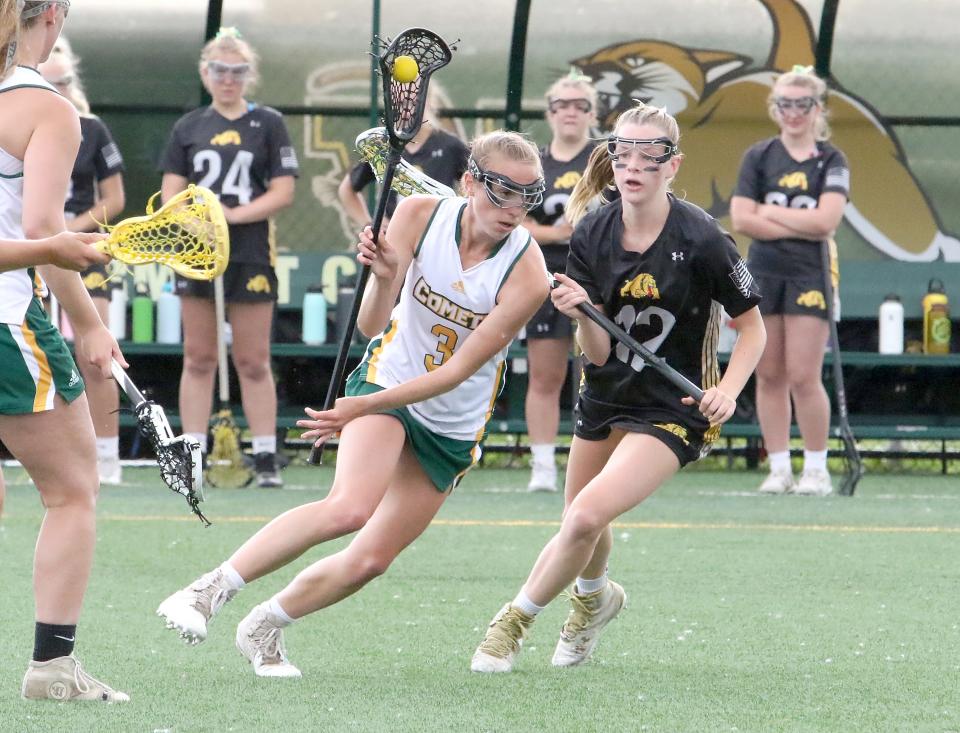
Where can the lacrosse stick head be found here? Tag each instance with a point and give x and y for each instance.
(188, 233)
(179, 458)
(226, 468)
(374, 148)
(405, 101)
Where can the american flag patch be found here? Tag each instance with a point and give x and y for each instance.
(288, 157)
(743, 279)
(838, 178)
(111, 155)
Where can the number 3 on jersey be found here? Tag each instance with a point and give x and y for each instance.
(628, 317)
(446, 345)
(237, 180)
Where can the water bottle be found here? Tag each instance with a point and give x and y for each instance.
(142, 315)
(117, 312)
(314, 316)
(936, 319)
(891, 325)
(168, 316)
(345, 292)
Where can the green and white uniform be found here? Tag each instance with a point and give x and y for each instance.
(440, 306)
(35, 363)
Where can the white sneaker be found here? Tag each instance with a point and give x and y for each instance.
(64, 679)
(814, 482)
(543, 478)
(778, 482)
(502, 642)
(590, 613)
(189, 610)
(260, 640)
(110, 471)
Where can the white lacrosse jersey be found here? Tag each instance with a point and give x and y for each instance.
(16, 286)
(439, 307)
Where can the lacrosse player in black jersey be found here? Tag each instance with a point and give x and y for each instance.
(571, 114)
(242, 152)
(661, 268)
(790, 198)
(95, 197)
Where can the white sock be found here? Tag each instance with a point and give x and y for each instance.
(779, 461)
(523, 602)
(264, 444)
(543, 454)
(585, 586)
(814, 460)
(230, 574)
(108, 448)
(201, 438)
(273, 605)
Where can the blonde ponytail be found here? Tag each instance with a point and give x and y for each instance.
(597, 176)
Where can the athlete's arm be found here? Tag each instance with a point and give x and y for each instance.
(278, 196)
(594, 342)
(549, 233)
(746, 219)
(353, 202)
(816, 224)
(171, 185)
(110, 203)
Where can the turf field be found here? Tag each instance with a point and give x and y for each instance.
(745, 613)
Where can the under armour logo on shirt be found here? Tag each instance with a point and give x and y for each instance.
(676, 256)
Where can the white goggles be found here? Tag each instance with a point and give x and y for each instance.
(505, 193)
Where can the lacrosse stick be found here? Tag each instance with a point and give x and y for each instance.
(638, 349)
(406, 65)
(188, 234)
(374, 148)
(226, 467)
(179, 458)
(854, 463)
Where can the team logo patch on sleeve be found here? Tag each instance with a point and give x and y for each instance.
(111, 155)
(743, 279)
(838, 178)
(288, 157)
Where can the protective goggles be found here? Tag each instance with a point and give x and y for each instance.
(505, 193)
(801, 104)
(35, 10)
(219, 71)
(659, 150)
(580, 104)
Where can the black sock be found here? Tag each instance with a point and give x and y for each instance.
(52, 640)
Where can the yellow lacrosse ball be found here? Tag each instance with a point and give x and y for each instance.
(405, 69)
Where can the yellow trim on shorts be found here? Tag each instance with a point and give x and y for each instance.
(45, 382)
(387, 337)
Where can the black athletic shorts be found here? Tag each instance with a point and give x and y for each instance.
(243, 282)
(549, 323)
(792, 296)
(594, 420)
(95, 281)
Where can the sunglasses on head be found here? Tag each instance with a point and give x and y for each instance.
(801, 104)
(505, 193)
(659, 150)
(220, 70)
(580, 104)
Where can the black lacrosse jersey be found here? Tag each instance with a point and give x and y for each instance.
(98, 159)
(236, 159)
(560, 178)
(768, 175)
(442, 156)
(668, 298)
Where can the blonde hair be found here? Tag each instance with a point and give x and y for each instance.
(74, 91)
(511, 145)
(803, 76)
(599, 172)
(573, 80)
(9, 34)
(229, 40)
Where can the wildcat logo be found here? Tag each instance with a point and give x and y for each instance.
(678, 430)
(227, 137)
(812, 299)
(258, 284)
(95, 281)
(642, 286)
(797, 179)
(567, 181)
(446, 308)
(710, 92)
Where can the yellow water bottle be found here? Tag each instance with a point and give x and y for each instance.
(936, 319)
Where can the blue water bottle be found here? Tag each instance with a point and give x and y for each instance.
(168, 316)
(314, 316)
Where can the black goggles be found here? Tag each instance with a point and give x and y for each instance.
(801, 104)
(505, 193)
(581, 104)
(659, 150)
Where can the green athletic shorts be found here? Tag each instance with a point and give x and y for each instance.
(444, 460)
(35, 365)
